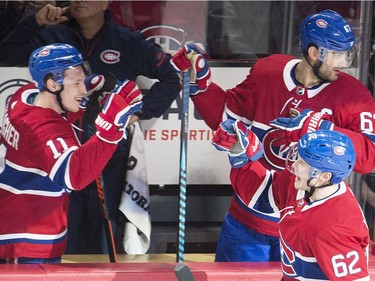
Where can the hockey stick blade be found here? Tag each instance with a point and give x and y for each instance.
(183, 272)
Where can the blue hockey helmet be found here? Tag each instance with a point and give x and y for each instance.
(327, 30)
(53, 60)
(328, 151)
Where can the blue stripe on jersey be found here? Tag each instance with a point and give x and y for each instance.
(370, 136)
(263, 208)
(17, 180)
(307, 270)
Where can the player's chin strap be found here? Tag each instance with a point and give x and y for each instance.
(58, 97)
(309, 193)
(316, 70)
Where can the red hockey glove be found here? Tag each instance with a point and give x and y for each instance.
(225, 136)
(241, 143)
(293, 128)
(123, 102)
(190, 57)
(98, 86)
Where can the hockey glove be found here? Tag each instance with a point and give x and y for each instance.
(123, 102)
(241, 143)
(293, 128)
(98, 86)
(247, 149)
(225, 136)
(190, 57)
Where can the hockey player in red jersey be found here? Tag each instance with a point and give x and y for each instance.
(312, 87)
(41, 157)
(323, 233)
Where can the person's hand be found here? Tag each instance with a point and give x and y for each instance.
(291, 129)
(120, 105)
(225, 136)
(98, 87)
(51, 15)
(247, 147)
(190, 57)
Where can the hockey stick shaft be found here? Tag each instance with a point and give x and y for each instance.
(107, 223)
(183, 166)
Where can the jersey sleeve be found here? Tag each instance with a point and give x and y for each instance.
(254, 178)
(216, 102)
(150, 61)
(68, 164)
(357, 120)
(82, 165)
(247, 179)
(210, 105)
(341, 253)
(240, 100)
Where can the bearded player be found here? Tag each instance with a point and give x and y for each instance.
(315, 89)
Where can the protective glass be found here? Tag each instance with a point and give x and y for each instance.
(297, 166)
(75, 73)
(291, 157)
(337, 59)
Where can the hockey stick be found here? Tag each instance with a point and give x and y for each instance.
(183, 272)
(183, 163)
(107, 223)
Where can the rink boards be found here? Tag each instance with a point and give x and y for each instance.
(144, 267)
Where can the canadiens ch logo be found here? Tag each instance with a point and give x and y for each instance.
(169, 38)
(274, 155)
(321, 23)
(110, 56)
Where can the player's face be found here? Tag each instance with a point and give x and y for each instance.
(333, 62)
(74, 88)
(83, 10)
(302, 172)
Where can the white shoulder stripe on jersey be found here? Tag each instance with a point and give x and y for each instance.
(258, 193)
(33, 236)
(67, 176)
(31, 191)
(26, 94)
(59, 161)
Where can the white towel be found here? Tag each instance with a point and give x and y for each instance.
(135, 200)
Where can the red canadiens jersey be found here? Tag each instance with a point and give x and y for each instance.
(40, 163)
(324, 240)
(269, 91)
